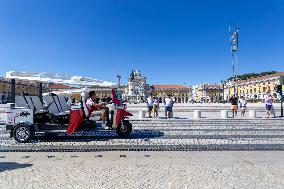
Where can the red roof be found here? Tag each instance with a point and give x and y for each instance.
(213, 86)
(170, 87)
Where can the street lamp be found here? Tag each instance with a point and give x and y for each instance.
(189, 92)
(234, 43)
(223, 85)
(219, 95)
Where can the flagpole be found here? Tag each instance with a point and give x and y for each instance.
(234, 48)
(232, 56)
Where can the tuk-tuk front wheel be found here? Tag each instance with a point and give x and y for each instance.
(124, 128)
(23, 133)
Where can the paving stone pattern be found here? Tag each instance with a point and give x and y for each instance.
(166, 135)
(165, 170)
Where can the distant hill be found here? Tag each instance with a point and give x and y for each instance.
(252, 75)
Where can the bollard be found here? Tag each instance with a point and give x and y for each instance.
(141, 114)
(224, 114)
(196, 114)
(252, 114)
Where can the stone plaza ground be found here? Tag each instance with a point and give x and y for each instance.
(178, 153)
(165, 170)
(165, 135)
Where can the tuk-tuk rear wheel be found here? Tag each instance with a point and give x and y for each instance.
(23, 133)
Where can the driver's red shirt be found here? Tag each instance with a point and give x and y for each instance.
(91, 105)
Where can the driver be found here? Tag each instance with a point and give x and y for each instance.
(92, 106)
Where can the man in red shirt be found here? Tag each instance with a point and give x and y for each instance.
(92, 106)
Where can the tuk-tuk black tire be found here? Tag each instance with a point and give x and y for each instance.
(26, 126)
(128, 126)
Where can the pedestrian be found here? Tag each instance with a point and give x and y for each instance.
(243, 105)
(156, 107)
(272, 111)
(234, 105)
(150, 104)
(169, 106)
(268, 104)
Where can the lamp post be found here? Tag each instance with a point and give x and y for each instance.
(184, 93)
(189, 94)
(219, 94)
(234, 43)
(223, 86)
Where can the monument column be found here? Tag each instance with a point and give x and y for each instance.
(130, 88)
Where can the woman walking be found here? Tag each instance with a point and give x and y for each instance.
(268, 104)
(243, 105)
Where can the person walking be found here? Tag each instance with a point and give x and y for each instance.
(156, 107)
(272, 111)
(243, 105)
(169, 106)
(234, 105)
(150, 104)
(268, 104)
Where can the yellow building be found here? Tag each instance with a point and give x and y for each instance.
(208, 93)
(180, 93)
(255, 88)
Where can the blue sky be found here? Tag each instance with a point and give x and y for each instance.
(171, 42)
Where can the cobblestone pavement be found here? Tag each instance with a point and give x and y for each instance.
(142, 170)
(229, 134)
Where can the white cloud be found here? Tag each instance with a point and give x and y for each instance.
(58, 78)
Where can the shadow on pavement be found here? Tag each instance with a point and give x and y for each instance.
(4, 166)
(173, 118)
(98, 136)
